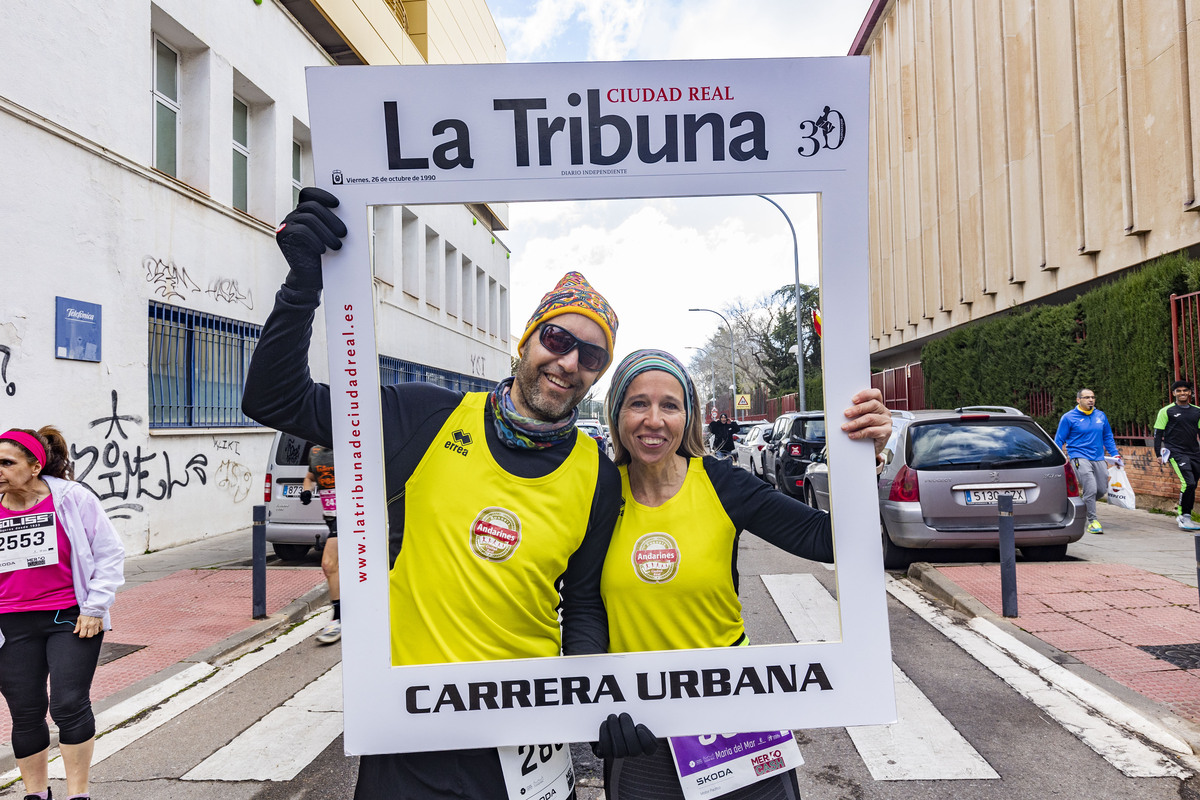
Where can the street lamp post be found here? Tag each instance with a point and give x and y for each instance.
(732, 370)
(799, 332)
(711, 368)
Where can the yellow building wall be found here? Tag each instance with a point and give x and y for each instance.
(439, 31)
(1019, 148)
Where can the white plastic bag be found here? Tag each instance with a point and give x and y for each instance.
(1120, 493)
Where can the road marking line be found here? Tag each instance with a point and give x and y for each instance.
(923, 745)
(115, 738)
(807, 607)
(285, 741)
(1106, 725)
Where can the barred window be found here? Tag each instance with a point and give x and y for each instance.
(197, 368)
(393, 370)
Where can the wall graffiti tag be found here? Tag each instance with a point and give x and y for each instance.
(10, 387)
(234, 478)
(130, 475)
(227, 289)
(169, 280)
(233, 445)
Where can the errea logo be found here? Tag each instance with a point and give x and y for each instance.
(459, 442)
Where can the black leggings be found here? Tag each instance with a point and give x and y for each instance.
(37, 644)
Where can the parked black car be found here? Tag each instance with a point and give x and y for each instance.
(791, 444)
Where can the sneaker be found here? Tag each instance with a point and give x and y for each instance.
(1095, 527)
(1185, 523)
(330, 633)
(49, 795)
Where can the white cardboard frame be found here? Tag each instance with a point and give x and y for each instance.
(386, 710)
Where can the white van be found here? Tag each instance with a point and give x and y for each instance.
(292, 527)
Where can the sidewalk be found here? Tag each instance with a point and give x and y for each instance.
(1122, 611)
(187, 605)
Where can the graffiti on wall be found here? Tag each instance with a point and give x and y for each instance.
(169, 280)
(124, 478)
(478, 366)
(173, 281)
(227, 289)
(10, 387)
(234, 478)
(233, 445)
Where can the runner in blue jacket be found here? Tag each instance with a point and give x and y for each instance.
(1084, 434)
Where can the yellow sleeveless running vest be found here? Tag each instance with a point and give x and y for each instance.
(668, 576)
(482, 548)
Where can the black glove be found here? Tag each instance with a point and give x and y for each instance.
(305, 497)
(621, 738)
(306, 233)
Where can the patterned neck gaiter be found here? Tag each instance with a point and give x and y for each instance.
(525, 433)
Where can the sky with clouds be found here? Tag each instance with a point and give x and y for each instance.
(655, 259)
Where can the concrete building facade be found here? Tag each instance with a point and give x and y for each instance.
(150, 150)
(1021, 151)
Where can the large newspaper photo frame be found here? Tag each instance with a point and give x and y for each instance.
(601, 130)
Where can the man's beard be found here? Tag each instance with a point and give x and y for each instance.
(541, 406)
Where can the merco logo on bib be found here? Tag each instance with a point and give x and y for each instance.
(656, 557)
(495, 534)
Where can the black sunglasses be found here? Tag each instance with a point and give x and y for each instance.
(561, 341)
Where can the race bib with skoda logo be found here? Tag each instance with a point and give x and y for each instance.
(328, 501)
(656, 557)
(495, 534)
(28, 540)
(537, 772)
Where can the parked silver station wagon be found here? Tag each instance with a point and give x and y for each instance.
(947, 470)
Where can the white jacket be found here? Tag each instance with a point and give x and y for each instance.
(97, 555)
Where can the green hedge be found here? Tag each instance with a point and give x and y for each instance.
(1115, 339)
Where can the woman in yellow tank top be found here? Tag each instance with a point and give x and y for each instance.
(674, 545)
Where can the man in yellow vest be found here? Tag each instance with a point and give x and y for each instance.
(509, 465)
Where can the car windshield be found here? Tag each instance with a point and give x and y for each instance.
(590, 430)
(983, 444)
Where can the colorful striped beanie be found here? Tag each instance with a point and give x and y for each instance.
(573, 295)
(635, 364)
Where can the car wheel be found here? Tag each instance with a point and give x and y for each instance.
(810, 495)
(1046, 552)
(290, 552)
(895, 557)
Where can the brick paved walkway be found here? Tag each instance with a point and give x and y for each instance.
(180, 615)
(1101, 614)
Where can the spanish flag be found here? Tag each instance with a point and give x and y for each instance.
(816, 321)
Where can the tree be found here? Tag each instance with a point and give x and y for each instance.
(782, 361)
(764, 334)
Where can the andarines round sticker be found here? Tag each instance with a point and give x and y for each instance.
(495, 534)
(656, 557)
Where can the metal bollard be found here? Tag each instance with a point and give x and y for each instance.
(258, 592)
(1008, 558)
